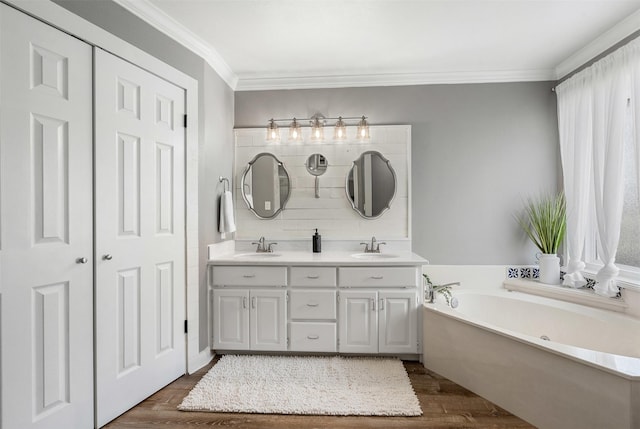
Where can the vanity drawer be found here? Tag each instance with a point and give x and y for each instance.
(313, 276)
(313, 337)
(248, 275)
(311, 304)
(373, 276)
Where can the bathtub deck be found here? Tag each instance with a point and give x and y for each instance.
(444, 403)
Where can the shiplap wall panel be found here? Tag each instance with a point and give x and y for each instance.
(331, 213)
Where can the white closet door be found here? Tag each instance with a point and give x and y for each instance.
(46, 226)
(140, 234)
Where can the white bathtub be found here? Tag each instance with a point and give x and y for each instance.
(586, 376)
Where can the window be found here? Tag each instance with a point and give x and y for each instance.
(600, 155)
(628, 253)
(629, 246)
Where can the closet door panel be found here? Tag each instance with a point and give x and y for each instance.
(140, 228)
(46, 225)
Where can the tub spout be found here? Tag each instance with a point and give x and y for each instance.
(451, 284)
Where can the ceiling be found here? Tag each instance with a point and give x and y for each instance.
(268, 44)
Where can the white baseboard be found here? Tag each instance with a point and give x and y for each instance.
(200, 361)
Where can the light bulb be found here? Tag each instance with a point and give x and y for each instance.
(317, 130)
(294, 131)
(363, 129)
(273, 135)
(340, 131)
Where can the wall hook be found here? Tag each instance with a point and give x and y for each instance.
(226, 183)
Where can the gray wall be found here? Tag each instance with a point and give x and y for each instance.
(215, 131)
(215, 160)
(478, 151)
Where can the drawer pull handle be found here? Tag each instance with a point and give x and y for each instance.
(253, 302)
(248, 276)
(313, 337)
(312, 304)
(244, 302)
(381, 304)
(377, 277)
(313, 277)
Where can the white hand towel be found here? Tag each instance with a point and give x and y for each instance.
(226, 224)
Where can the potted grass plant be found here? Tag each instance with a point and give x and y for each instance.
(544, 221)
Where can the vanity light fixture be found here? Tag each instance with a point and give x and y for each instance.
(295, 132)
(317, 123)
(317, 129)
(340, 131)
(273, 134)
(363, 129)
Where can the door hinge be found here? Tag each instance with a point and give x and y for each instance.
(185, 121)
(186, 327)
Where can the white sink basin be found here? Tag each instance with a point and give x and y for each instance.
(373, 255)
(257, 255)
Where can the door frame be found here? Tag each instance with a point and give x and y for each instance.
(76, 26)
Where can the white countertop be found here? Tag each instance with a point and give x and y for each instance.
(332, 258)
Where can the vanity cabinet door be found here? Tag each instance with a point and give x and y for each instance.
(358, 322)
(231, 319)
(397, 322)
(268, 320)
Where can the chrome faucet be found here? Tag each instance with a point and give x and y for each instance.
(375, 248)
(431, 290)
(263, 247)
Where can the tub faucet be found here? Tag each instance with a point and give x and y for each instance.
(431, 290)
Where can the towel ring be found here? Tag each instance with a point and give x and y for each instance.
(226, 183)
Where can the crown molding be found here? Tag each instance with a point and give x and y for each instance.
(259, 83)
(615, 34)
(158, 19)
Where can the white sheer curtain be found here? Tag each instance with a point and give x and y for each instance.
(594, 108)
(611, 104)
(575, 126)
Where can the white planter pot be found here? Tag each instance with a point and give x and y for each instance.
(549, 269)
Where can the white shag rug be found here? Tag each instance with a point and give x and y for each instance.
(305, 385)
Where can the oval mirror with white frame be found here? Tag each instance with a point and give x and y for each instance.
(371, 184)
(265, 186)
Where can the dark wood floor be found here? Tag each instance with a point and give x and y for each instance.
(444, 405)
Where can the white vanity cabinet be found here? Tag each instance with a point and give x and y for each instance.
(230, 319)
(378, 322)
(249, 308)
(313, 309)
(381, 320)
(249, 319)
(361, 309)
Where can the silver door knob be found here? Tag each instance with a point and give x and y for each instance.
(82, 261)
(107, 257)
